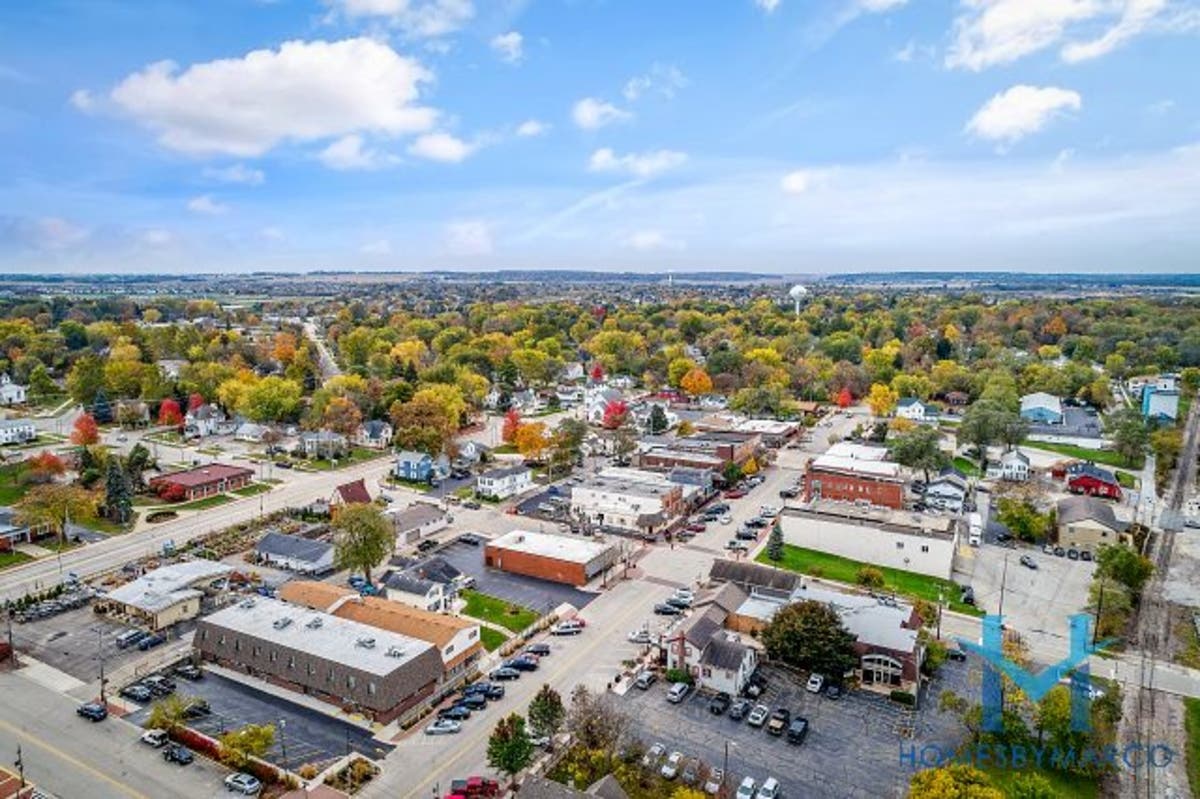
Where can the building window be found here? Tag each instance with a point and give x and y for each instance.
(924, 547)
(291, 661)
(274, 656)
(899, 545)
(881, 670)
(237, 645)
(371, 689)
(350, 681)
(221, 642)
(204, 635)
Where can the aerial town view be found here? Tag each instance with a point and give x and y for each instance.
(567, 399)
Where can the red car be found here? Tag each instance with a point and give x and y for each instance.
(735, 493)
(697, 527)
(472, 787)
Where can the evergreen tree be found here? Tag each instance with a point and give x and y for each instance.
(117, 502)
(775, 543)
(658, 419)
(102, 410)
(546, 712)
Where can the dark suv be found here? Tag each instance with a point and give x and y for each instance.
(797, 730)
(719, 704)
(93, 711)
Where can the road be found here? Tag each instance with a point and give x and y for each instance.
(113, 552)
(71, 757)
(325, 360)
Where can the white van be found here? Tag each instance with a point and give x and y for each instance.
(677, 693)
(975, 529)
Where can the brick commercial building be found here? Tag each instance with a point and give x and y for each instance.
(205, 481)
(345, 663)
(557, 558)
(628, 499)
(456, 639)
(852, 473)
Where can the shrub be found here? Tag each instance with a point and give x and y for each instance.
(903, 698)
(678, 675)
(870, 577)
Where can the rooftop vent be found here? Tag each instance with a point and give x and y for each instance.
(366, 643)
(281, 622)
(395, 652)
(314, 623)
(246, 603)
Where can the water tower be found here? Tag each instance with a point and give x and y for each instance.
(798, 294)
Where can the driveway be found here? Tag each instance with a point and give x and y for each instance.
(310, 737)
(852, 746)
(539, 595)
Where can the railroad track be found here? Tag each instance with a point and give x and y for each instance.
(1154, 617)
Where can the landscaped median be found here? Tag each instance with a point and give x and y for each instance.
(844, 570)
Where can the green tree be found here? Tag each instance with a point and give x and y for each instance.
(1130, 435)
(422, 424)
(362, 538)
(658, 420)
(1022, 519)
(1125, 566)
(168, 713)
(253, 740)
(1031, 786)
(86, 379)
(118, 504)
(271, 399)
(980, 427)
(546, 712)
(55, 505)
(775, 543)
(952, 782)
(509, 749)
(136, 464)
(810, 636)
(919, 448)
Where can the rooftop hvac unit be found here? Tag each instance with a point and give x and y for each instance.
(366, 643)
(395, 652)
(282, 622)
(246, 603)
(315, 623)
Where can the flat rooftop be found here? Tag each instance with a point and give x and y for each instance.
(869, 468)
(625, 485)
(358, 645)
(858, 452)
(165, 586)
(547, 545)
(901, 521)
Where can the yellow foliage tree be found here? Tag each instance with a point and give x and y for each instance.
(530, 440)
(750, 467)
(696, 382)
(882, 399)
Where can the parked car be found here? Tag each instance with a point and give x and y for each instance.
(92, 711)
(137, 692)
(755, 686)
(670, 769)
(427, 544)
(690, 774)
(968, 596)
(681, 602)
(739, 709)
(767, 511)
(1028, 562)
(758, 716)
(757, 522)
(769, 789)
(568, 627)
(640, 636)
(746, 534)
(130, 637)
(474, 787)
(789, 493)
(697, 526)
(443, 726)
(158, 685)
(1059, 552)
(1048, 549)
(539, 649)
(505, 673)
(189, 672)
(151, 641)
(719, 703)
(489, 690)
(746, 789)
(956, 653)
(245, 784)
(834, 691)
(522, 664)
(734, 493)
(1085, 554)
(455, 713)
(665, 609)
(645, 679)
(737, 546)
(197, 708)
(155, 738)
(797, 730)
(653, 755)
(474, 701)
(712, 786)
(177, 753)
(779, 721)
(815, 683)
(678, 692)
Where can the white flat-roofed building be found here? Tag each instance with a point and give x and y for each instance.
(343, 662)
(168, 594)
(559, 558)
(905, 540)
(628, 499)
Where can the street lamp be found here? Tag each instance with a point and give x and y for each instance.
(725, 767)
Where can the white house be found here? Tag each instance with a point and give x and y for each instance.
(417, 521)
(250, 432)
(374, 434)
(17, 431)
(714, 656)
(473, 452)
(596, 399)
(204, 421)
(417, 592)
(573, 372)
(504, 482)
(528, 401)
(291, 552)
(1013, 466)
(947, 491)
(11, 393)
(912, 408)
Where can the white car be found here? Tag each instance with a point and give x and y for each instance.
(155, 738)
(653, 755)
(245, 784)
(815, 683)
(443, 727)
(758, 715)
(769, 789)
(767, 511)
(671, 768)
(639, 637)
(568, 627)
(685, 593)
(726, 519)
(713, 785)
(746, 789)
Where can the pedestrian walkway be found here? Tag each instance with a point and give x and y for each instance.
(48, 676)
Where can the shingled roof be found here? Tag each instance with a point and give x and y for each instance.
(749, 575)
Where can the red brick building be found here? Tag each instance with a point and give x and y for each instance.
(1087, 478)
(205, 481)
(852, 472)
(557, 558)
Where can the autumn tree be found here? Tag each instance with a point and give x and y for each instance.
(508, 429)
(85, 432)
(955, 781)
(195, 401)
(271, 399)
(509, 749)
(882, 399)
(810, 636)
(531, 441)
(362, 538)
(421, 424)
(844, 398)
(616, 412)
(546, 712)
(54, 506)
(169, 414)
(597, 373)
(250, 741)
(342, 415)
(44, 467)
(696, 383)
(919, 448)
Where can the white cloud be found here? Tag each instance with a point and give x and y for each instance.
(376, 247)
(1160, 107)
(768, 6)
(272, 233)
(646, 240)
(591, 113)
(662, 79)
(469, 237)
(879, 6)
(157, 237)
(348, 153)
(640, 165)
(441, 147)
(509, 46)
(532, 127)
(913, 51)
(415, 17)
(83, 100)
(1020, 111)
(800, 181)
(304, 91)
(1060, 160)
(1136, 18)
(56, 233)
(205, 204)
(236, 173)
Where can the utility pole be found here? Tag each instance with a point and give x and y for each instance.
(12, 649)
(100, 655)
(20, 764)
(283, 743)
(1099, 611)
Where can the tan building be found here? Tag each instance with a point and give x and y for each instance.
(1087, 523)
(457, 639)
(166, 595)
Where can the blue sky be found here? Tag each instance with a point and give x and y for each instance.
(766, 135)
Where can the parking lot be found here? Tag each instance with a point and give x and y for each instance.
(539, 595)
(310, 737)
(1077, 423)
(852, 749)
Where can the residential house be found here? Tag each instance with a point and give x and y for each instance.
(714, 656)
(714, 402)
(473, 452)
(203, 421)
(294, 553)
(947, 491)
(957, 399)
(642, 411)
(620, 382)
(1160, 404)
(352, 493)
(504, 482)
(419, 520)
(1042, 408)
(596, 401)
(1012, 466)
(916, 410)
(492, 399)
(374, 434)
(323, 444)
(568, 396)
(535, 787)
(528, 401)
(13, 532)
(573, 372)
(1163, 382)
(1088, 478)
(419, 467)
(402, 586)
(17, 431)
(1086, 524)
(251, 432)
(11, 393)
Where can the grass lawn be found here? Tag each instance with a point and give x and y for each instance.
(413, 484)
(1064, 786)
(505, 449)
(252, 489)
(12, 559)
(968, 467)
(199, 504)
(109, 527)
(833, 567)
(1126, 479)
(357, 455)
(497, 611)
(1191, 723)
(1104, 456)
(11, 487)
(491, 639)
